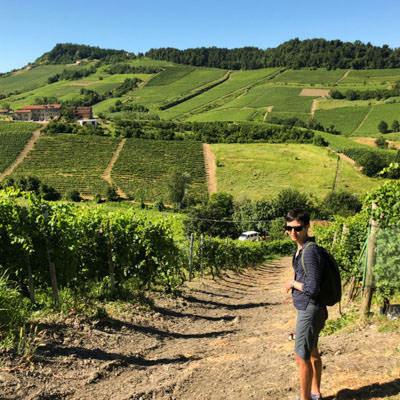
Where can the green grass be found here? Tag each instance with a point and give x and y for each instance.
(319, 77)
(225, 115)
(259, 171)
(13, 138)
(286, 115)
(68, 162)
(285, 99)
(345, 119)
(221, 94)
(372, 78)
(381, 112)
(143, 167)
(175, 82)
(24, 80)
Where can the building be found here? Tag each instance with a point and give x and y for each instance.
(38, 112)
(23, 115)
(4, 112)
(46, 112)
(82, 112)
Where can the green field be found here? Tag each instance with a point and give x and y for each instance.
(345, 119)
(70, 162)
(285, 99)
(371, 77)
(25, 80)
(380, 112)
(143, 167)
(258, 171)
(175, 82)
(318, 77)
(225, 115)
(237, 83)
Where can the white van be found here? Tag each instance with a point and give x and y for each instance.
(250, 235)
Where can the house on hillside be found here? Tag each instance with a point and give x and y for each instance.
(40, 112)
(4, 112)
(46, 112)
(23, 115)
(82, 112)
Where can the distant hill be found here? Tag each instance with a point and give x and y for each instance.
(67, 53)
(295, 53)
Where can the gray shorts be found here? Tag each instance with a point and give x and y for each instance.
(309, 324)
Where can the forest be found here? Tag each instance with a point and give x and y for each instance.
(294, 54)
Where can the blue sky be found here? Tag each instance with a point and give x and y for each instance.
(30, 28)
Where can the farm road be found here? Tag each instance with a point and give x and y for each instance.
(107, 172)
(211, 169)
(222, 339)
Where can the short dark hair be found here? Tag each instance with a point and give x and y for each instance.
(298, 215)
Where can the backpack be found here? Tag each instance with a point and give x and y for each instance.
(331, 285)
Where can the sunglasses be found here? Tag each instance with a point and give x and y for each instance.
(296, 228)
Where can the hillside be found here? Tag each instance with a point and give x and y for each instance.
(124, 87)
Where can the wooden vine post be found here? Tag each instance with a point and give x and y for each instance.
(28, 262)
(367, 289)
(111, 265)
(52, 267)
(191, 257)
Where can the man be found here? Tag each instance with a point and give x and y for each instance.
(311, 315)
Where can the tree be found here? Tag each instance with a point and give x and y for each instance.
(395, 126)
(383, 127)
(340, 203)
(177, 184)
(213, 218)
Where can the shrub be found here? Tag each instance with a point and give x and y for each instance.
(340, 203)
(320, 141)
(112, 194)
(98, 198)
(381, 142)
(159, 205)
(73, 195)
(13, 312)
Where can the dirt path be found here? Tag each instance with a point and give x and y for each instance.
(28, 147)
(269, 109)
(107, 172)
(346, 74)
(314, 107)
(223, 339)
(364, 119)
(211, 169)
(336, 181)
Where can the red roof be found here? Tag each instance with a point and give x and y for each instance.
(41, 106)
(4, 111)
(22, 111)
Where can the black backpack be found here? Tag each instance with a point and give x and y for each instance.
(331, 284)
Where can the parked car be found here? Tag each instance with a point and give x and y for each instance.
(250, 235)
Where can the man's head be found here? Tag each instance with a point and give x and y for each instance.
(297, 224)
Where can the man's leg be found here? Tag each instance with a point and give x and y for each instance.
(305, 369)
(317, 371)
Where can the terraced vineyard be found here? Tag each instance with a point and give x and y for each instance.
(68, 162)
(13, 138)
(143, 167)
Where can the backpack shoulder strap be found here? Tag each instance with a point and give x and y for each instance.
(302, 255)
